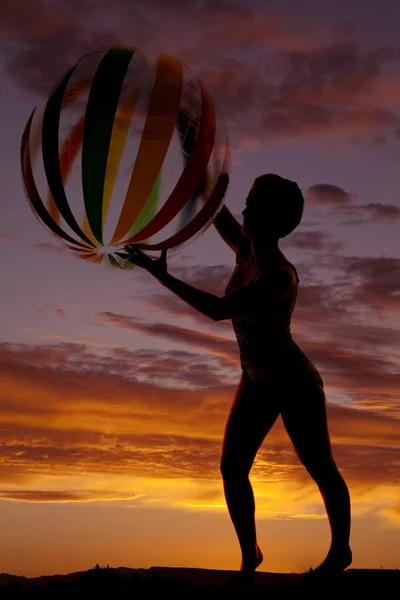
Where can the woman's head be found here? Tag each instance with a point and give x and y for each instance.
(274, 207)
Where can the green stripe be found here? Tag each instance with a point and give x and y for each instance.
(99, 120)
(149, 209)
(122, 264)
(51, 158)
(112, 261)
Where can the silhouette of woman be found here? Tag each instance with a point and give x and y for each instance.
(277, 377)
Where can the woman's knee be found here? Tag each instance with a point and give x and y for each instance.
(321, 470)
(232, 469)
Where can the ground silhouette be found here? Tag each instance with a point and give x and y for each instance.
(183, 583)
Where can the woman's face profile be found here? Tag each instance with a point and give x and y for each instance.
(248, 211)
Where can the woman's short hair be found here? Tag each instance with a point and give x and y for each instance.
(285, 201)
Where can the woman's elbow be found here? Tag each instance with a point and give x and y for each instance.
(218, 313)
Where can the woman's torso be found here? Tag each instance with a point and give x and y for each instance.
(267, 350)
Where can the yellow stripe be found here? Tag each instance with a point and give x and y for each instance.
(156, 138)
(118, 138)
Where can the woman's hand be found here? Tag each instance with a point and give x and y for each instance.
(157, 267)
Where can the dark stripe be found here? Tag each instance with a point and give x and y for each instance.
(51, 158)
(32, 193)
(99, 120)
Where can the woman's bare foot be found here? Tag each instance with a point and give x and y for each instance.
(335, 562)
(250, 563)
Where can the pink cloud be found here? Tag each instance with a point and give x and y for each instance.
(50, 247)
(59, 311)
(293, 82)
(327, 193)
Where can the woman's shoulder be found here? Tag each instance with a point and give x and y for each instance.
(277, 270)
(290, 266)
(243, 257)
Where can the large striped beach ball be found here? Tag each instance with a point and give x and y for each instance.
(125, 151)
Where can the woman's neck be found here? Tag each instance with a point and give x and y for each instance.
(264, 252)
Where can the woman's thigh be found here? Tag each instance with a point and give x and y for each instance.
(254, 411)
(303, 412)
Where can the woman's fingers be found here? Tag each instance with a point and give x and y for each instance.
(132, 250)
(133, 254)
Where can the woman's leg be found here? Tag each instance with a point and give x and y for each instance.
(304, 417)
(253, 413)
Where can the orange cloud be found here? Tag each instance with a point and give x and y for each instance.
(71, 423)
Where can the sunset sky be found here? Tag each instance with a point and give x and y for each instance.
(113, 392)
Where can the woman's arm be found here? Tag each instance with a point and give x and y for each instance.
(245, 301)
(225, 223)
(228, 228)
(204, 302)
